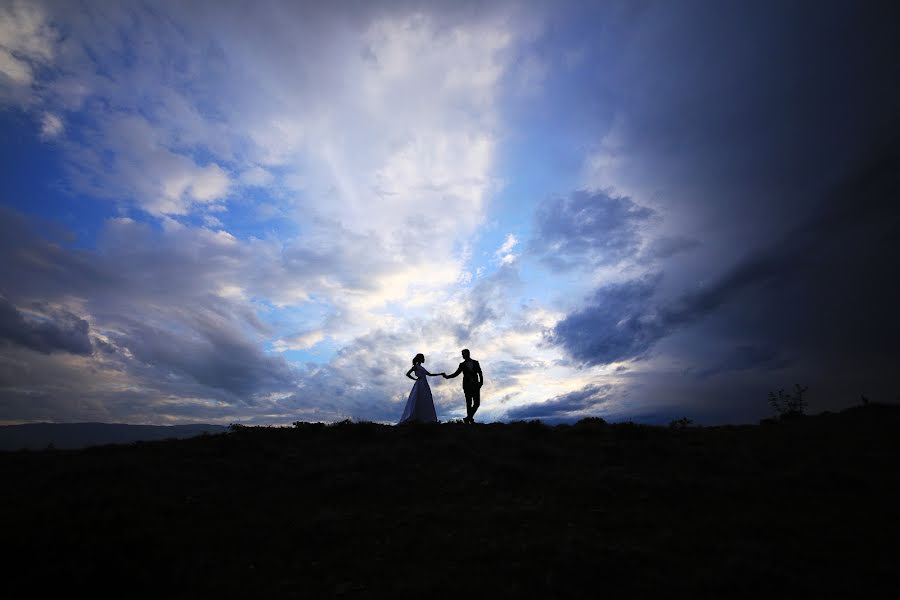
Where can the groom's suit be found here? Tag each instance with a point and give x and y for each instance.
(472, 380)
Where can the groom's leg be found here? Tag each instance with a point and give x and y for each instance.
(469, 411)
(476, 401)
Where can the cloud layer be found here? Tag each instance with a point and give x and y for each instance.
(264, 214)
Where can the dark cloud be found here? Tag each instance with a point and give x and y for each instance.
(587, 229)
(764, 107)
(46, 331)
(827, 284)
(747, 357)
(212, 353)
(668, 246)
(566, 406)
(618, 323)
(155, 319)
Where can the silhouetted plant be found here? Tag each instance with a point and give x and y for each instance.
(234, 427)
(682, 423)
(591, 421)
(534, 427)
(787, 405)
(863, 400)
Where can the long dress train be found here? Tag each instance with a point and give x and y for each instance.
(420, 405)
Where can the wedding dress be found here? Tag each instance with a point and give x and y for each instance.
(420, 406)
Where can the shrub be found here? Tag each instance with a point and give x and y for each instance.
(591, 422)
(682, 423)
(788, 405)
(308, 427)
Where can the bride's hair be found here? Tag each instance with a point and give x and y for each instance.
(418, 359)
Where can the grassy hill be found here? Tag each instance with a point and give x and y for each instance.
(367, 510)
(37, 436)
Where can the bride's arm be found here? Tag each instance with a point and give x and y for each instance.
(410, 376)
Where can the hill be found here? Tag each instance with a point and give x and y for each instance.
(806, 506)
(37, 436)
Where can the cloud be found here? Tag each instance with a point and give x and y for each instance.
(180, 332)
(504, 253)
(44, 329)
(618, 323)
(212, 352)
(174, 111)
(566, 406)
(587, 229)
(152, 299)
(257, 176)
(300, 341)
(16, 70)
(668, 246)
(51, 126)
(132, 162)
(486, 303)
(508, 244)
(26, 42)
(789, 291)
(745, 358)
(623, 321)
(343, 161)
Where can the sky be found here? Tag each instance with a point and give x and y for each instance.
(259, 212)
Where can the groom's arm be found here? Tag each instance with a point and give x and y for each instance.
(480, 374)
(458, 371)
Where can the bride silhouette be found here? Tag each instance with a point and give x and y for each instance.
(420, 405)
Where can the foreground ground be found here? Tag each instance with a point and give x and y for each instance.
(512, 509)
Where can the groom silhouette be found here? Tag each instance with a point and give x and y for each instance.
(473, 379)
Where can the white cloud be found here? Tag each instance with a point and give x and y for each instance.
(386, 125)
(504, 253)
(26, 41)
(211, 221)
(300, 341)
(16, 70)
(131, 162)
(24, 30)
(51, 126)
(209, 183)
(508, 244)
(256, 176)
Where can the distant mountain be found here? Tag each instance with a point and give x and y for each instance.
(37, 436)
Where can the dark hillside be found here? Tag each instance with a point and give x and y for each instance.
(37, 436)
(808, 505)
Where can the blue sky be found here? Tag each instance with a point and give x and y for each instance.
(259, 212)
